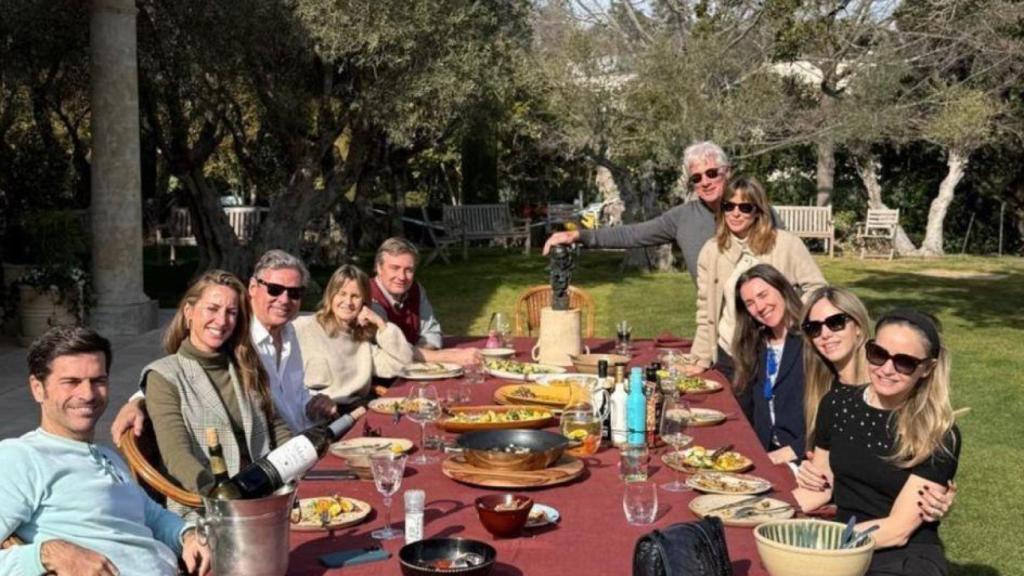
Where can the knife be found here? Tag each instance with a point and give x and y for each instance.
(745, 502)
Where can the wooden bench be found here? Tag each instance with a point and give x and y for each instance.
(878, 227)
(810, 222)
(489, 222)
(244, 220)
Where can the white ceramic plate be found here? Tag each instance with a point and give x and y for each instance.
(306, 518)
(726, 483)
(431, 371)
(547, 379)
(542, 515)
(534, 370)
(768, 509)
(498, 353)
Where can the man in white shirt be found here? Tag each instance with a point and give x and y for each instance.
(275, 294)
(72, 502)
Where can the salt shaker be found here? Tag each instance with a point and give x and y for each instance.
(414, 500)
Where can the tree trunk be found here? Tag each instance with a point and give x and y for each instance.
(640, 202)
(826, 149)
(867, 168)
(956, 162)
(218, 246)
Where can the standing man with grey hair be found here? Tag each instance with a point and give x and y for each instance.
(275, 294)
(398, 297)
(689, 225)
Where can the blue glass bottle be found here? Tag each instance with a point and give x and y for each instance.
(636, 408)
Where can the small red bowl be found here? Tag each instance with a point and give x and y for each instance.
(504, 515)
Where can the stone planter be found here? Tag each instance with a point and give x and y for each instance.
(40, 310)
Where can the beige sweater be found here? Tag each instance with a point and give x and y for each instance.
(715, 272)
(347, 366)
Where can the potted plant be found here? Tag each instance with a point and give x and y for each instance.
(55, 289)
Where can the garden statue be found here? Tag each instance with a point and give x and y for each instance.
(560, 336)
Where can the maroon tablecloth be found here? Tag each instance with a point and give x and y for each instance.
(592, 536)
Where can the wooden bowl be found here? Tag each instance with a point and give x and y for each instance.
(504, 523)
(587, 363)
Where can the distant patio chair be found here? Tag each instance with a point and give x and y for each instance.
(530, 302)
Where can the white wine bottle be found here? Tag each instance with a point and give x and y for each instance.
(288, 462)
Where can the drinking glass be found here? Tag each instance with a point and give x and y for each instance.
(674, 418)
(623, 332)
(499, 327)
(423, 406)
(633, 462)
(640, 502)
(317, 374)
(388, 470)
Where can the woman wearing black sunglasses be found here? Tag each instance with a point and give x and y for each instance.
(745, 236)
(887, 443)
(769, 376)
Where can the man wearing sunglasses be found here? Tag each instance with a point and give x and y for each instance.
(275, 293)
(689, 225)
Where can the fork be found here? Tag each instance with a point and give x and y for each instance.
(748, 511)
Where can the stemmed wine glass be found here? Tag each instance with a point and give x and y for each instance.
(388, 470)
(674, 418)
(424, 406)
(623, 333)
(499, 327)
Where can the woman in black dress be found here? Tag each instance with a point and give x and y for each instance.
(887, 443)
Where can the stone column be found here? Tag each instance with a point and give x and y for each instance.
(122, 308)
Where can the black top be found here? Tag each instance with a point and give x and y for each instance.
(787, 399)
(859, 438)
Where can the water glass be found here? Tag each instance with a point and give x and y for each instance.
(640, 502)
(633, 462)
(499, 327)
(388, 470)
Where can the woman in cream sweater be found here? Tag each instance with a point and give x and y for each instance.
(745, 236)
(345, 344)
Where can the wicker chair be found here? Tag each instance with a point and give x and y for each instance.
(141, 453)
(530, 302)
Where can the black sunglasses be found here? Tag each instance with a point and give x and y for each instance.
(745, 207)
(275, 290)
(835, 323)
(710, 173)
(903, 363)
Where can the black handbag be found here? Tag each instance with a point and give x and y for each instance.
(684, 549)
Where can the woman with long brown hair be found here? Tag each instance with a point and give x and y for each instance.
(345, 344)
(887, 443)
(745, 236)
(211, 378)
(768, 355)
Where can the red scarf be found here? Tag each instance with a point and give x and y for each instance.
(407, 315)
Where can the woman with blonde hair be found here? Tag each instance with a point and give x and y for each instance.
(887, 443)
(745, 236)
(345, 344)
(211, 378)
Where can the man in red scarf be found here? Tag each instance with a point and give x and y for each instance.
(403, 301)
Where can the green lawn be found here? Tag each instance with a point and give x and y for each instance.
(982, 326)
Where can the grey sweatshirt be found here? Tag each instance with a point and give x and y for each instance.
(689, 225)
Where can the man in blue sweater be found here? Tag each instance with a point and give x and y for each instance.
(72, 502)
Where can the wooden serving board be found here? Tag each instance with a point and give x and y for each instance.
(566, 469)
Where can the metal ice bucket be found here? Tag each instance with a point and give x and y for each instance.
(249, 537)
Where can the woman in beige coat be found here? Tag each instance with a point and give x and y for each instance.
(745, 236)
(345, 344)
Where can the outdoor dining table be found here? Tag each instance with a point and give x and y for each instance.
(592, 535)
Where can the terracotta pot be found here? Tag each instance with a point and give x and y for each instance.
(40, 311)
